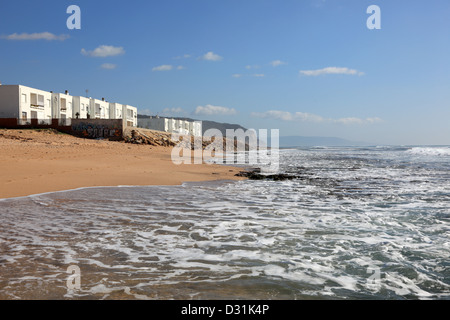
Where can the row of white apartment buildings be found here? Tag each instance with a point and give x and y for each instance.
(25, 103)
(179, 126)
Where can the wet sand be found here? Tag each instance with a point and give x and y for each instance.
(36, 162)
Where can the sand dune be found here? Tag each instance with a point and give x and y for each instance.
(44, 161)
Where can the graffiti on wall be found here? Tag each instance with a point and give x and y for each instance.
(95, 129)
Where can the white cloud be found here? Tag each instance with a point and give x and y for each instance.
(349, 121)
(167, 67)
(145, 111)
(108, 66)
(352, 120)
(214, 110)
(184, 56)
(288, 116)
(173, 111)
(274, 114)
(103, 51)
(211, 56)
(309, 117)
(252, 67)
(331, 70)
(240, 75)
(164, 67)
(374, 120)
(277, 63)
(36, 36)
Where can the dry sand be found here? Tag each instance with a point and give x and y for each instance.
(34, 162)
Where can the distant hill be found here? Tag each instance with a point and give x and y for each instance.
(301, 141)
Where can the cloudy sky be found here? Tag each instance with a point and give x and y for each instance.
(306, 67)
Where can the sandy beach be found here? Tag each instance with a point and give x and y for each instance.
(35, 162)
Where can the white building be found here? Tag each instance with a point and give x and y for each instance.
(115, 110)
(81, 107)
(25, 103)
(131, 115)
(99, 109)
(195, 128)
(183, 127)
(62, 107)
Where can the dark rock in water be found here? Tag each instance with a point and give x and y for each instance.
(256, 175)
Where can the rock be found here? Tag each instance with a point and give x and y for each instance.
(151, 139)
(256, 175)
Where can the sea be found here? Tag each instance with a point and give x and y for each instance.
(357, 223)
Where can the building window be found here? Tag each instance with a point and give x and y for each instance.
(34, 100)
(63, 105)
(24, 98)
(24, 116)
(40, 99)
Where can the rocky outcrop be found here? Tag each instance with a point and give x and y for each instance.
(153, 139)
(255, 174)
(160, 138)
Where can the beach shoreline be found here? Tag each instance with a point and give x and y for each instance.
(43, 161)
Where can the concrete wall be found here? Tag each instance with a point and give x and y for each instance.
(153, 124)
(98, 128)
(84, 128)
(13, 123)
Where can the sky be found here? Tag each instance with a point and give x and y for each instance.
(305, 67)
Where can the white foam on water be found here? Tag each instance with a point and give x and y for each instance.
(318, 235)
(435, 151)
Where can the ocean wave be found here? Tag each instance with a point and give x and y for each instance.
(358, 224)
(433, 151)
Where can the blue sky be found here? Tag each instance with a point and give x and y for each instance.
(306, 67)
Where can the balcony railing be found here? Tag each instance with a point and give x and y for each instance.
(37, 106)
